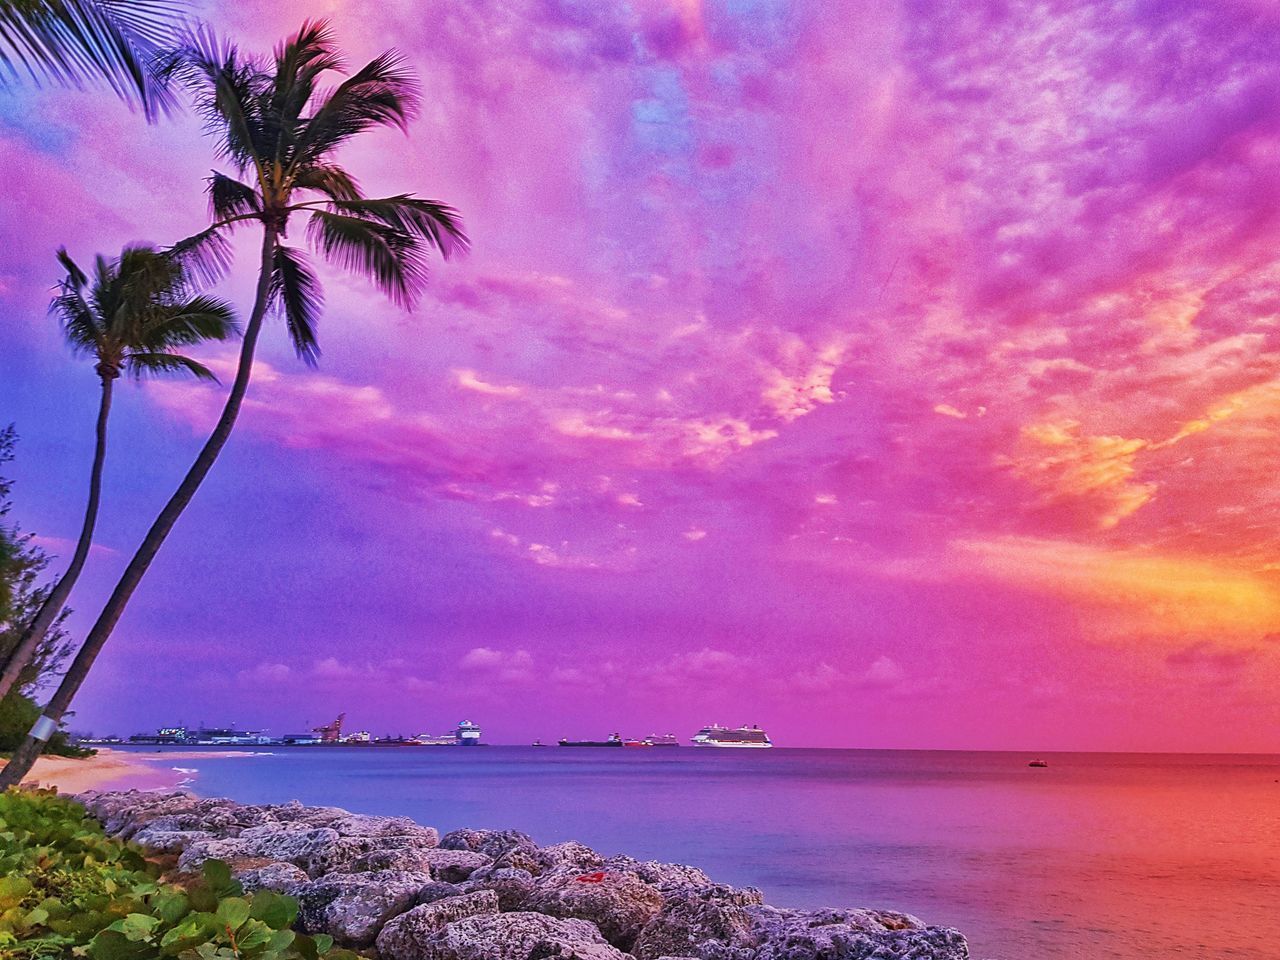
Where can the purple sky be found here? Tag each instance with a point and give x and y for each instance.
(885, 374)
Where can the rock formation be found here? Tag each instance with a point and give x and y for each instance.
(394, 888)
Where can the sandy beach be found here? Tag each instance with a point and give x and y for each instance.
(113, 769)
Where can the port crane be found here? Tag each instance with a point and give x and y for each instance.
(331, 732)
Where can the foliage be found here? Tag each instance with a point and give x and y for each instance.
(17, 713)
(279, 125)
(9, 545)
(134, 313)
(70, 41)
(67, 889)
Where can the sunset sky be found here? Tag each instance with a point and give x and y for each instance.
(887, 374)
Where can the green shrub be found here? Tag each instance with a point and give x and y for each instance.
(69, 890)
(17, 713)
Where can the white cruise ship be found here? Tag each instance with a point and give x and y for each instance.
(467, 734)
(743, 737)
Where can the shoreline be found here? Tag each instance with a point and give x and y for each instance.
(116, 770)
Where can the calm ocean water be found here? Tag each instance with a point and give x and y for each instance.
(1124, 856)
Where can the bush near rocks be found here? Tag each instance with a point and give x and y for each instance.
(66, 888)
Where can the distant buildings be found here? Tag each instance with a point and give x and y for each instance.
(466, 733)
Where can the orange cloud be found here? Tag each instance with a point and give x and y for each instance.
(1064, 463)
(1130, 590)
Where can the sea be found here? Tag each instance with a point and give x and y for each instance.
(1121, 856)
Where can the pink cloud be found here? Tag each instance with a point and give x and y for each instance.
(877, 345)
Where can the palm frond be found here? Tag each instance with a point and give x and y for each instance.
(79, 323)
(193, 321)
(300, 61)
(143, 276)
(75, 276)
(205, 257)
(437, 223)
(329, 179)
(382, 93)
(229, 197)
(118, 42)
(297, 293)
(393, 259)
(140, 365)
(228, 88)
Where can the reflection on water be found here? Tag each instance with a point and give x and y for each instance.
(1098, 855)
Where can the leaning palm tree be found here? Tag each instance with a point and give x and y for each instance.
(279, 130)
(71, 41)
(131, 319)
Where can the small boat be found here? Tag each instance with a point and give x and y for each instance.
(537, 743)
(1038, 763)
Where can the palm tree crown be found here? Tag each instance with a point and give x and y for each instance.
(278, 128)
(136, 312)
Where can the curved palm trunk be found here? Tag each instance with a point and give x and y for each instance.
(25, 756)
(47, 615)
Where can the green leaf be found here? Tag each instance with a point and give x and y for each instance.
(202, 898)
(170, 905)
(274, 909)
(233, 911)
(13, 890)
(252, 935)
(217, 874)
(112, 945)
(306, 947)
(35, 917)
(138, 926)
(324, 942)
(195, 928)
(281, 940)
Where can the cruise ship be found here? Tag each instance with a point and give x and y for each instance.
(751, 737)
(467, 734)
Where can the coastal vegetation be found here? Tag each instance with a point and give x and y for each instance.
(68, 889)
(278, 126)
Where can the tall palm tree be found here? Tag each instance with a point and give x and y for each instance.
(279, 130)
(70, 41)
(131, 318)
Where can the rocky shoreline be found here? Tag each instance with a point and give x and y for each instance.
(395, 889)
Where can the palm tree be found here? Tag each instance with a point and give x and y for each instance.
(70, 41)
(130, 319)
(279, 130)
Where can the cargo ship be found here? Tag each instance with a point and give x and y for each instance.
(743, 737)
(614, 741)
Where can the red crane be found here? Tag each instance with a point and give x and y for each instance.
(331, 732)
